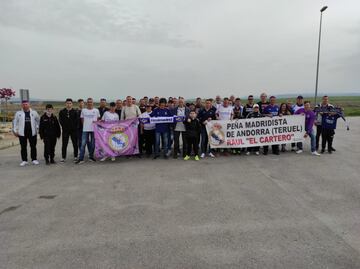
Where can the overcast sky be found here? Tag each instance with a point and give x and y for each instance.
(114, 48)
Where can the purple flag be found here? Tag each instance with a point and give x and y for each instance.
(116, 138)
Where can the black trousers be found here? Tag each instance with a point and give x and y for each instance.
(274, 148)
(140, 140)
(192, 144)
(65, 140)
(149, 140)
(253, 149)
(23, 143)
(318, 134)
(327, 136)
(49, 148)
(177, 142)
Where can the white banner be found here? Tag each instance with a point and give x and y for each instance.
(256, 131)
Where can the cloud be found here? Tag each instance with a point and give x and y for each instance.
(93, 20)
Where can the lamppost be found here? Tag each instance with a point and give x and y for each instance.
(318, 56)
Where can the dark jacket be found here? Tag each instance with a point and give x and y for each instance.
(193, 127)
(254, 115)
(174, 112)
(102, 110)
(247, 109)
(68, 120)
(49, 127)
(204, 115)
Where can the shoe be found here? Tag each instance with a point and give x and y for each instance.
(276, 153)
(299, 151)
(315, 153)
(23, 163)
(63, 160)
(197, 158)
(168, 153)
(322, 151)
(247, 153)
(113, 159)
(52, 161)
(79, 162)
(292, 149)
(211, 155)
(91, 159)
(75, 159)
(202, 156)
(47, 162)
(265, 153)
(103, 159)
(156, 156)
(257, 153)
(332, 149)
(234, 151)
(186, 158)
(35, 162)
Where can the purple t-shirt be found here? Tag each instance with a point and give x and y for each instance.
(309, 118)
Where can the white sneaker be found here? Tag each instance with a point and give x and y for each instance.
(62, 160)
(257, 153)
(202, 156)
(103, 159)
(35, 162)
(23, 163)
(211, 155)
(248, 153)
(299, 151)
(113, 159)
(315, 153)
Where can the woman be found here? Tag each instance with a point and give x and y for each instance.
(284, 111)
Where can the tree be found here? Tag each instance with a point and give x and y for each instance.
(6, 94)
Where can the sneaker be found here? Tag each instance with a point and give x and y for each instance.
(75, 159)
(63, 160)
(52, 161)
(202, 155)
(247, 153)
(332, 149)
(168, 154)
(257, 153)
(103, 159)
(211, 155)
(91, 159)
(330, 152)
(113, 159)
(315, 153)
(186, 158)
(197, 158)
(47, 162)
(23, 163)
(322, 151)
(35, 162)
(79, 162)
(299, 151)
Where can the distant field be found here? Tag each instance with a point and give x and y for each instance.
(351, 105)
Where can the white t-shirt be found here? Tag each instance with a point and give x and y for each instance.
(224, 112)
(89, 116)
(147, 126)
(108, 116)
(180, 125)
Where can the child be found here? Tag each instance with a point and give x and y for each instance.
(193, 128)
(49, 130)
(328, 130)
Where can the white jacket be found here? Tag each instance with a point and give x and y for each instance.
(19, 122)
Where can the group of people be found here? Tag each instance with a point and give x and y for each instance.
(77, 124)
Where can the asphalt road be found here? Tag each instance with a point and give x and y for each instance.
(288, 211)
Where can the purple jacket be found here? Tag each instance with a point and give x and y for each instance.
(310, 117)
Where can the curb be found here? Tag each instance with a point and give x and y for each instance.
(9, 144)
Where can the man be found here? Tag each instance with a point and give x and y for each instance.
(161, 129)
(328, 125)
(325, 105)
(49, 131)
(198, 105)
(25, 127)
(309, 123)
(142, 106)
(130, 111)
(118, 107)
(179, 128)
(110, 115)
(270, 111)
(81, 105)
(68, 118)
(102, 108)
(299, 105)
(263, 103)
(148, 131)
(88, 116)
(238, 108)
(206, 114)
(218, 101)
(249, 106)
(225, 111)
(254, 114)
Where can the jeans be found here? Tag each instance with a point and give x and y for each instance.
(164, 139)
(313, 141)
(88, 139)
(205, 148)
(23, 142)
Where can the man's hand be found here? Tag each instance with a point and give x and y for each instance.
(306, 135)
(16, 134)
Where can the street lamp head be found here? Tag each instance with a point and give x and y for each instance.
(323, 9)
